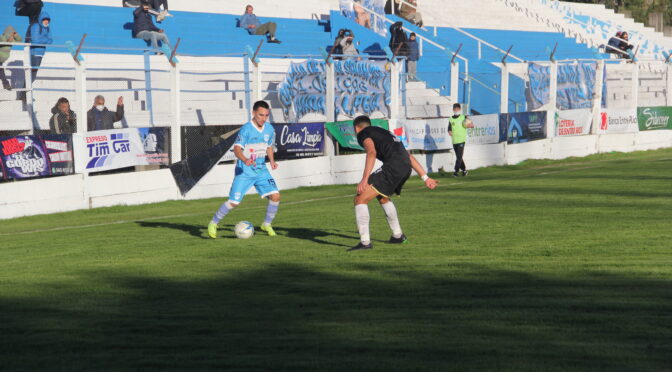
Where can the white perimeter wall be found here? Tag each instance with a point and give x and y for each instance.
(60, 194)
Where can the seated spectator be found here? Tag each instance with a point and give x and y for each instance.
(64, 120)
(40, 33)
(625, 46)
(100, 118)
(409, 11)
(251, 23)
(9, 36)
(162, 14)
(614, 43)
(413, 57)
(362, 17)
(392, 6)
(144, 28)
(348, 46)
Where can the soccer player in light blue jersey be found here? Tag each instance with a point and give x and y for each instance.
(254, 143)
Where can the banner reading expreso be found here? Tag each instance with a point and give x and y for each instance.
(618, 121)
(428, 135)
(573, 122)
(485, 131)
(344, 132)
(653, 118)
(119, 148)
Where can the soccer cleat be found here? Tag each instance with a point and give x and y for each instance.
(465, 173)
(268, 228)
(360, 246)
(400, 240)
(456, 174)
(212, 230)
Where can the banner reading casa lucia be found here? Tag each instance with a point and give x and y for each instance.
(120, 148)
(618, 121)
(652, 118)
(573, 122)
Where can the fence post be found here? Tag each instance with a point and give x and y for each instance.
(553, 100)
(80, 95)
(176, 113)
(28, 78)
(248, 95)
(454, 82)
(257, 94)
(668, 91)
(148, 87)
(504, 90)
(395, 70)
(597, 96)
(634, 90)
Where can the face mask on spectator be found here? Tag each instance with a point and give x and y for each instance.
(100, 107)
(457, 112)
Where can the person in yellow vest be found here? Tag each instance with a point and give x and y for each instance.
(457, 128)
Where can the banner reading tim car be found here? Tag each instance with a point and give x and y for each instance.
(36, 156)
(302, 140)
(120, 148)
(522, 127)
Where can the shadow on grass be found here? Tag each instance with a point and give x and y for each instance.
(292, 317)
(198, 231)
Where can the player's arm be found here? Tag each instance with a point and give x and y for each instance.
(417, 167)
(238, 151)
(271, 157)
(450, 129)
(368, 166)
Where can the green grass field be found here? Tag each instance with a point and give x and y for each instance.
(542, 266)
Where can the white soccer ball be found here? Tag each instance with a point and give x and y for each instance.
(244, 230)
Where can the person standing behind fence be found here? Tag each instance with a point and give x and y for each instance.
(144, 28)
(64, 120)
(100, 118)
(40, 33)
(413, 57)
(251, 23)
(398, 40)
(348, 45)
(457, 129)
(9, 36)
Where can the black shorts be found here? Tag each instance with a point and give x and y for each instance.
(390, 178)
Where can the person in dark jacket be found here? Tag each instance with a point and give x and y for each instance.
(625, 46)
(64, 120)
(413, 57)
(40, 33)
(9, 36)
(398, 40)
(100, 118)
(30, 9)
(144, 28)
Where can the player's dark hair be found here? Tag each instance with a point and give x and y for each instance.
(62, 100)
(457, 105)
(261, 104)
(361, 121)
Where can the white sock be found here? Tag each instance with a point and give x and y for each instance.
(271, 211)
(362, 216)
(392, 219)
(223, 211)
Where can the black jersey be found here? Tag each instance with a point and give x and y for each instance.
(388, 147)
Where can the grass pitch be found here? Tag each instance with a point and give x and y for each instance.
(546, 265)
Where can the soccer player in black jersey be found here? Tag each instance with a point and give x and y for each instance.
(389, 179)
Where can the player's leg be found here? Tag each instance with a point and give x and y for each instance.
(241, 184)
(392, 220)
(362, 217)
(267, 188)
(459, 151)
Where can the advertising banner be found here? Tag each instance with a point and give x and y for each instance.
(485, 131)
(522, 127)
(576, 86)
(120, 148)
(653, 118)
(344, 132)
(360, 12)
(294, 141)
(36, 156)
(197, 139)
(428, 135)
(618, 121)
(362, 87)
(573, 122)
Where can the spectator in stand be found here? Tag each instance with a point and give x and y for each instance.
(392, 6)
(100, 118)
(144, 28)
(625, 46)
(156, 6)
(64, 120)
(409, 11)
(413, 57)
(362, 17)
(251, 23)
(348, 46)
(613, 46)
(9, 36)
(398, 40)
(40, 33)
(30, 9)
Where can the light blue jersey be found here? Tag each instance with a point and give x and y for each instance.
(254, 142)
